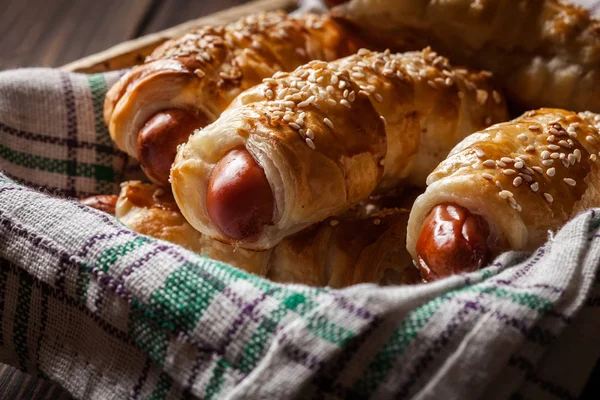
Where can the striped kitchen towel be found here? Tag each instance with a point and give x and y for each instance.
(108, 313)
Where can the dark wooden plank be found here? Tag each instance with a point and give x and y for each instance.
(173, 12)
(54, 32)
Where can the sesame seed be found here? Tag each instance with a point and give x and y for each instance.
(199, 73)
(551, 171)
(499, 185)
(548, 197)
(310, 133)
(570, 181)
(534, 187)
(383, 120)
(382, 162)
(554, 131)
(522, 137)
(345, 103)
(593, 158)
(550, 138)
(564, 143)
(378, 97)
(553, 147)
(330, 89)
(294, 125)
(269, 94)
(497, 97)
(501, 163)
(489, 163)
(487, 176)
(479, 153)
(331, 102)
(534, 127)
(590, 139)
(571, 157)
(537, 169)
(519, 164)
(528, 178)
(545, 155)
(517, 181)
(334, 80)
(352, 96)
(530, 148)
(509, 171)
(328, 122)
(547, 163)
(334, 222)
(342, 84)
(505, 194)
(507, 160)
(310, 143)
(577, 154)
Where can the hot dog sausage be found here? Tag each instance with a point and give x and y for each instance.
(239, 199)
(104, 202)
(451, 241)
(159, 138)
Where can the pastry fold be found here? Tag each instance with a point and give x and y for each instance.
(204, 70)
(328, 134)
(546, 53)
(366, 244)
(525, 177)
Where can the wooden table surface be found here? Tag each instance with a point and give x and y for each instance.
(51, 33)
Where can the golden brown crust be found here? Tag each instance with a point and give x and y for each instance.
(328, 134)
(205, 69)
(365, 244)
(545, 52)
(525, 177)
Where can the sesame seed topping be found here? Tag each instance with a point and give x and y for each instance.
(553, 147)
(550, 138)
(342, 84)
(530, 148)
(310, 133)
(345, 103)
(547, 163)
(310, 143)
(497, 97)
(334, 222)
(593, 158)
(564, 143)
(537, 169)
(534, 187)
(294, 125)
(545, 155)
(548, 197)
(352, 96)
(487, 176)
(556, 155)
(590, 139)
(489, 163)
(517, 181)
(505, 194)
(522, 137)
(570, 181)
(534, 127)
(501, 163)
(507, 160)
(509, 171)
(572, 159)
(577, 153)
(499, 185)
(554, 131)
(328, 122)
(527, 178)
(519, 164)
(551, 171)
(479, 153)
(383, 120)
(378, 97)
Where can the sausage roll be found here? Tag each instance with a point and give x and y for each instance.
(504, 188)
(307, 145)
(546, 53)
(186, 83)
(360, 246)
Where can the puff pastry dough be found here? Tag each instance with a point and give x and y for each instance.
(204, 70)
(546, 53)
(363, 245)
(524, 177)
(328, 134)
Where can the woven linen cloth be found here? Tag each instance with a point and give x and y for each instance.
(109, 313)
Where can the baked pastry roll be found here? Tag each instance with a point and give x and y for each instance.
(546, 53)
(186, 83)
(504, 188)
(363, 245)
(307, 145)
